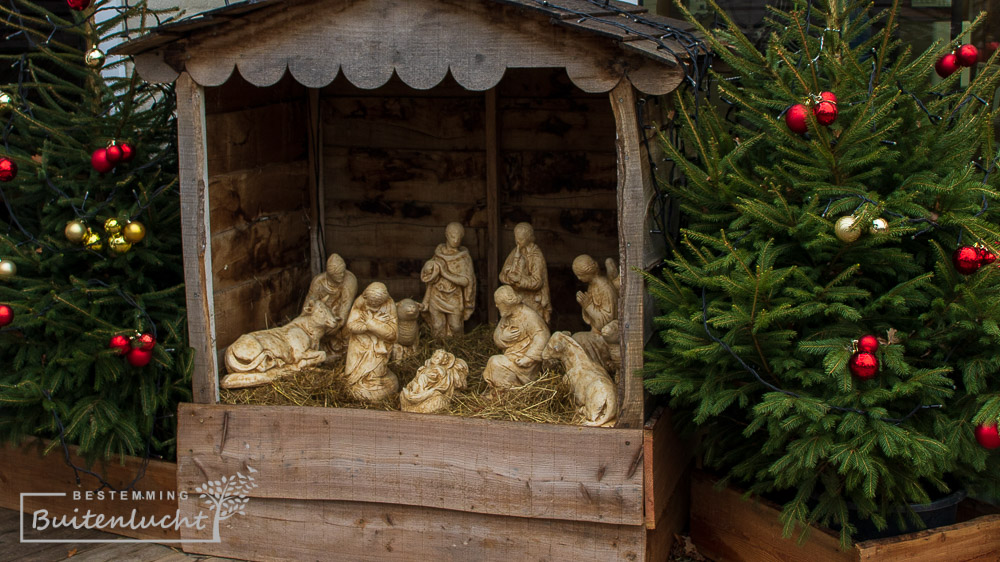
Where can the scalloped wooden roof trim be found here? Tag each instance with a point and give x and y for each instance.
(419, 40)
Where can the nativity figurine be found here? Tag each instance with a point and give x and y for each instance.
(599, 304)
(521, 334)
(450, 298)
(436, 382)
(610, 334)
(265, 356)
(525, 271)
(335, 288)
(591, 389)
(372, 330)
(408, 329)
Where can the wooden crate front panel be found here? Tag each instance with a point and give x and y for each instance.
(400, 164)
(558, 172)
(259, 205)
(480, 466)
(284, 529)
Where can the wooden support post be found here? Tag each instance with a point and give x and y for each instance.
(193, 172)
(317, 250)
(492, 203)
(633, 174)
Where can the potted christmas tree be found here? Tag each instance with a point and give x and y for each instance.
(829, 316)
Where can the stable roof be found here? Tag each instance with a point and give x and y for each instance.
(597, 41)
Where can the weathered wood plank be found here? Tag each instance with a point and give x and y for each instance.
(273, 242)
(667, 461)
(317, 190)
(236, 94)
(437, 123)
(633, 175)
(500, 468)
(275, 529)
(978, 539)
(196, 230)
(492, 204)
(557, 124)
(239, 198)
(24, 469)
(533, 173)
(250, 138)
(392, 240)
(727, 528)
(263, 301)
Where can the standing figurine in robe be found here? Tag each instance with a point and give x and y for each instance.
(372, 329)
(525, 271)
(522, 335)
(599, 304)
(450, 298)
(335, 288)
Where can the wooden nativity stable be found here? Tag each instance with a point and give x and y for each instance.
(363, 127)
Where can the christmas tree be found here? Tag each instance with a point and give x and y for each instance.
(91, 283)
(829, 314)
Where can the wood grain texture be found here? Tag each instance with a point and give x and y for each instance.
(244, 197)
(340, 531)
(493, 258)
(196, 229)
(254, 137)
(667, 460)
(317, 195)
(727, 528)
(474, 41)
(633, 175)
(24, 469)
(974, 540)
(471, 465)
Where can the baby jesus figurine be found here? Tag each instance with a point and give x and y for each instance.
(436, 382)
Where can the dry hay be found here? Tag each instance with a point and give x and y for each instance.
(545, 400)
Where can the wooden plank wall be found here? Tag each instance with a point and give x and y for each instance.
(557, 171)
(259, 204)
(399, 165)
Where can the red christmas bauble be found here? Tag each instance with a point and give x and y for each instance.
(99, 160)
(121, 343)
(967, 55)
(947, 65)
(146, 342)
(114, 154)
(796, 119)
(863, 365)
(825, 112)
(828, 96)
(138, 357)
(78, 5)
(868, 343)
(6, 315)
(966, 260)
(986, 256)
(8, 169)
(988, 436)
(127, 151)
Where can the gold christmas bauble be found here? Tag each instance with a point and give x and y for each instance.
(92, 240)
(879, 226)
(112, 226)
(119, 244)
(5, 101)
(134, 232)
(7, 269)
(75, 231)
(94, 58)
(844, 230)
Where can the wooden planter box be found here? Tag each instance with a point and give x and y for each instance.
(25, 470)
(363, 127)
(727, 528)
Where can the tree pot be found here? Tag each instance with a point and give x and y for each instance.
(938, 513)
